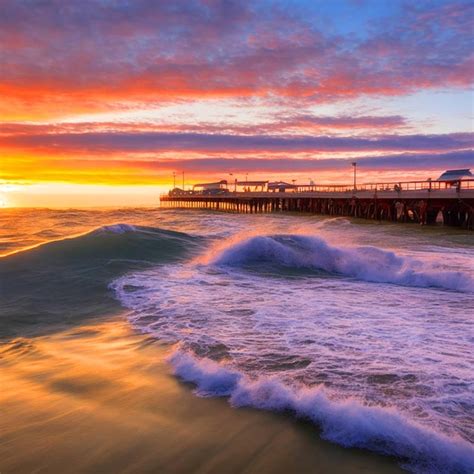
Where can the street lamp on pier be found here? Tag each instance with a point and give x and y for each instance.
(174, 179)
(354, 164)
(235, 182)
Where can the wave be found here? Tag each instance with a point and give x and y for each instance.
(117, 229)
(364, 263)
(346, 422)
(67, 279)
(112, 241)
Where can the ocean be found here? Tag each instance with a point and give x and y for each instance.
(363, 329)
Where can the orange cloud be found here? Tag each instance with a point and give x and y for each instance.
(61, 61)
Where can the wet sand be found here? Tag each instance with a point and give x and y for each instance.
(101, 398)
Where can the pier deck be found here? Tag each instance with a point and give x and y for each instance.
(424, 202)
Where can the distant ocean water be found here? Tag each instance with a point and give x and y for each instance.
(366, 329)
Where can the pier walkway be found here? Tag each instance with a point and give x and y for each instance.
(424, 202)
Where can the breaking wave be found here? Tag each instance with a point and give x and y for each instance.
(118, 229)
(364, 263)
(346, 422)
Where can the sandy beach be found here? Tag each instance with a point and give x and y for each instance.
(101, 398)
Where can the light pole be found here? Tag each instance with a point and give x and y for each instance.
(174, 179)
(354, 164)
(235, 182)
(183, 180)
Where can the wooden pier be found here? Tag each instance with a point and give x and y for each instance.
(423, 202)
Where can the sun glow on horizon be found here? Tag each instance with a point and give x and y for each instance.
(72, 195)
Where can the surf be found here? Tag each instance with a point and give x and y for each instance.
(365, 263)
(302, 324)
(346, 422)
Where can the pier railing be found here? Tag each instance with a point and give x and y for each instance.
(393, 186)
(399, 186)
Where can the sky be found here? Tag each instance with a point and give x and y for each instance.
(102, 101)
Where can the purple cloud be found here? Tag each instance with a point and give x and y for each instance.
(114, 142)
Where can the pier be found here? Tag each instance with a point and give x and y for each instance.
(424, 202)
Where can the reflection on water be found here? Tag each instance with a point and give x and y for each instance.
(99, 399)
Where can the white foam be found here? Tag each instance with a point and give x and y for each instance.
(345, 422)
(365, 263)
(116, 229)
(211, 379)
(373, 345)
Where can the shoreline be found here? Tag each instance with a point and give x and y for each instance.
(101, 398)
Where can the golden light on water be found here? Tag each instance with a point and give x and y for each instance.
(111, 390)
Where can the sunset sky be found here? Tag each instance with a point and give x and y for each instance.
(101, 101)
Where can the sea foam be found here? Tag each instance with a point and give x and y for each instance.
(116, 229)
(396, 376)
(347, 422)
(364, 263)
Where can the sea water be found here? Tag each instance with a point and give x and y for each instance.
(365, 329)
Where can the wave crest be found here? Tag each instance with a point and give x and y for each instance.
(116, 229)
(364, 263)
(347, 422)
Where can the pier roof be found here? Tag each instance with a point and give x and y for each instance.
(455, 175)
(281, 184)
(209, 185)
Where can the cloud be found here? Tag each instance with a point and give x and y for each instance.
(281, 124)
(66, 53)
(339, 122)
(405, 161)
(140, 142)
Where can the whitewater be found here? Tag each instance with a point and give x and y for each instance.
(372, 344)
(365, 330)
